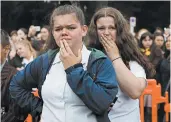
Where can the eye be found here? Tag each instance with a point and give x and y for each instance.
(100, 28)
(71, 28)
(58, 29)
(112, 28)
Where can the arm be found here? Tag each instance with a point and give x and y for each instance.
(98, 94)
(129, 84)
(21, 87)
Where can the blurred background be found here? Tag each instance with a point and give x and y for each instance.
(149, 14)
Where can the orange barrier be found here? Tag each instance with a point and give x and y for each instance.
(29, 117)
(167, 108)
(155, 91)
(36, 93)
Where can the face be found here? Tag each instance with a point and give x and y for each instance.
(168, 43)
(22, 50)
(159, 41)
(45, 34)
(14, 38)
(39, 37)
(69, 28)
(106, 26)
(21, 35)
(147, 42)
(32, 30)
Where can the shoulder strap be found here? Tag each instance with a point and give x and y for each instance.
(95, 58)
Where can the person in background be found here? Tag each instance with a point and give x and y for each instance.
(164, 77)
(39, 37)
(159, 40)
(22, 34)
(158, 30)
(12, 52)
(13, 59)
(149, 49)
(45, 36)
(38, 44)
(75, 84)
(109, 32)
(25, 50)
(32, 33)
(140, 32)
(154, 54)
(10, 111)
(13, 36)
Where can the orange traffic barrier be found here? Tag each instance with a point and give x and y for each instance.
(167, 108)
(155, 91)
(29, 118)
(36, 94)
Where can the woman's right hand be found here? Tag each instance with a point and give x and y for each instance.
(110, 47)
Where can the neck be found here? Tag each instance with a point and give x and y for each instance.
(28, 56)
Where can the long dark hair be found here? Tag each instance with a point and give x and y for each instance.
(124, 39)
(153, 49)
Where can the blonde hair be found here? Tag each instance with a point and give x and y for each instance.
(25, 42)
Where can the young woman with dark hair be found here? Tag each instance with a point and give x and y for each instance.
(109, 32)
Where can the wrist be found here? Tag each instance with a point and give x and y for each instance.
(114, 59)
(69, 69)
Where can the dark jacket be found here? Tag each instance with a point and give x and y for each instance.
(11, 112)
(99, 70)
(156, 56)
(163, 74)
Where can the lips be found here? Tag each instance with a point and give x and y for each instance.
(66, 39)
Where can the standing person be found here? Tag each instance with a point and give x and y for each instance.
(164, 77)
(109, 32)
(25, 50)
(159, 40)
(32, 33)
(10, 112)
(149, 49)
(75, 84)
(45, 36)
(22, 34)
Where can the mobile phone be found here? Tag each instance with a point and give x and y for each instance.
(37, 28)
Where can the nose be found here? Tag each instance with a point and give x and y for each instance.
(64, 31)
(106, 32)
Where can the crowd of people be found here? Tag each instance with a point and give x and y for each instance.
(88, 73)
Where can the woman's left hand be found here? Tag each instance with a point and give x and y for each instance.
(67, 56)
(110, 47)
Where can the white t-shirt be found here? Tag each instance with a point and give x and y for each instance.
(126, 109)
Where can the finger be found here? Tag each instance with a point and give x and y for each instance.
(107, 40)
(61, 44)
(61, 55)
(104, 43)
(63, 50)
(67, 48)
(110, 40)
